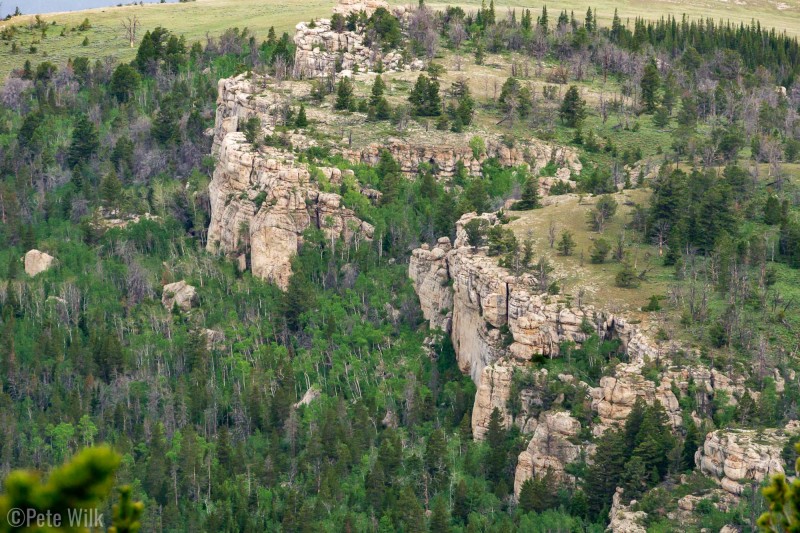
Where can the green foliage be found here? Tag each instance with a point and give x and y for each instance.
(345, 99)
(81, 484)
(566, 244)
(425, 97)
(573, 108)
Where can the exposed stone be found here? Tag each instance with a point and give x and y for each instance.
(263, 200)
(213, 337)
(616, 395)
(553, 445)
(310, 395)
(737, 457)
(37, 262)
(623, 520)
(179, 293)
(345, 7)
(446, 150)
(321, 49)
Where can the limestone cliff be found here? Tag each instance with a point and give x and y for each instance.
(446, 150)
(490, 313)
(737, 457)
(262, 200)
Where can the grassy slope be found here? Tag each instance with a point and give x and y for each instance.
(193, 19)
(780, 14)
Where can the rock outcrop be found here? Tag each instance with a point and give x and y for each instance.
(491, 313)
(37, 262)
(737, 457)
(179, 294)
(555, 443)
(616, 395)
(623, 520)
(262, 200)
(345, 7)
(444, 151)
(323, 51)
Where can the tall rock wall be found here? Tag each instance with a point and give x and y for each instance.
(262, 200)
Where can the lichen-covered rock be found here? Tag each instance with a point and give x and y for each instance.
(321, 50)
(179, 294)
(616, 395)
(623, 520)
(736, 457)
(494, 389)
(263, 200)
(428, 271)
(553, 445)
(37, 262)
(446, 150)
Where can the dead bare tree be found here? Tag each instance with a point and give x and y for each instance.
(131, 26)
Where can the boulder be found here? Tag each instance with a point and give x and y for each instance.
(179, 293)
(37, 262)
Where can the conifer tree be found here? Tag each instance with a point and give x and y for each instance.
(85, 142)
(573, 108)
(650, 83)
(301, 121)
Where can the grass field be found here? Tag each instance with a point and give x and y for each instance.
(200, 17)
(192, 19)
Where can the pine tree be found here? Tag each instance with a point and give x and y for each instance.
(497, 461)
(461, 507)
(111, 190)
(543, 19)
(566, 245)
(85, 142)
(650, 83)
(301, 121)
(530, 194)
(603, 476)
(573, 108)
(440, 517)
(344, 95)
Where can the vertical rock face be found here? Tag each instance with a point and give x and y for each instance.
(736, 457)
(553, 445)
(616, 395)
(263, 200)
(37, 262)
(623, 520)
(491, 313)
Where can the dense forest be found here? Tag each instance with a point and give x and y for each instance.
(331, 406)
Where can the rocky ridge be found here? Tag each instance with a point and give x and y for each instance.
(322, 51)
(262, 199)
(447, 150)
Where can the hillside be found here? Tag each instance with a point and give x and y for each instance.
(404, 269)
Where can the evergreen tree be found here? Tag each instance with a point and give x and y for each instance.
(440, 517)
(124, 82)
(85, 142)
(650, 83)
(111, 190)
(573, 108)
(344, 95)
(301, 121)
(530, 194)
(425, 97)
(566, 244)
(497, 460)
(603, 476)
